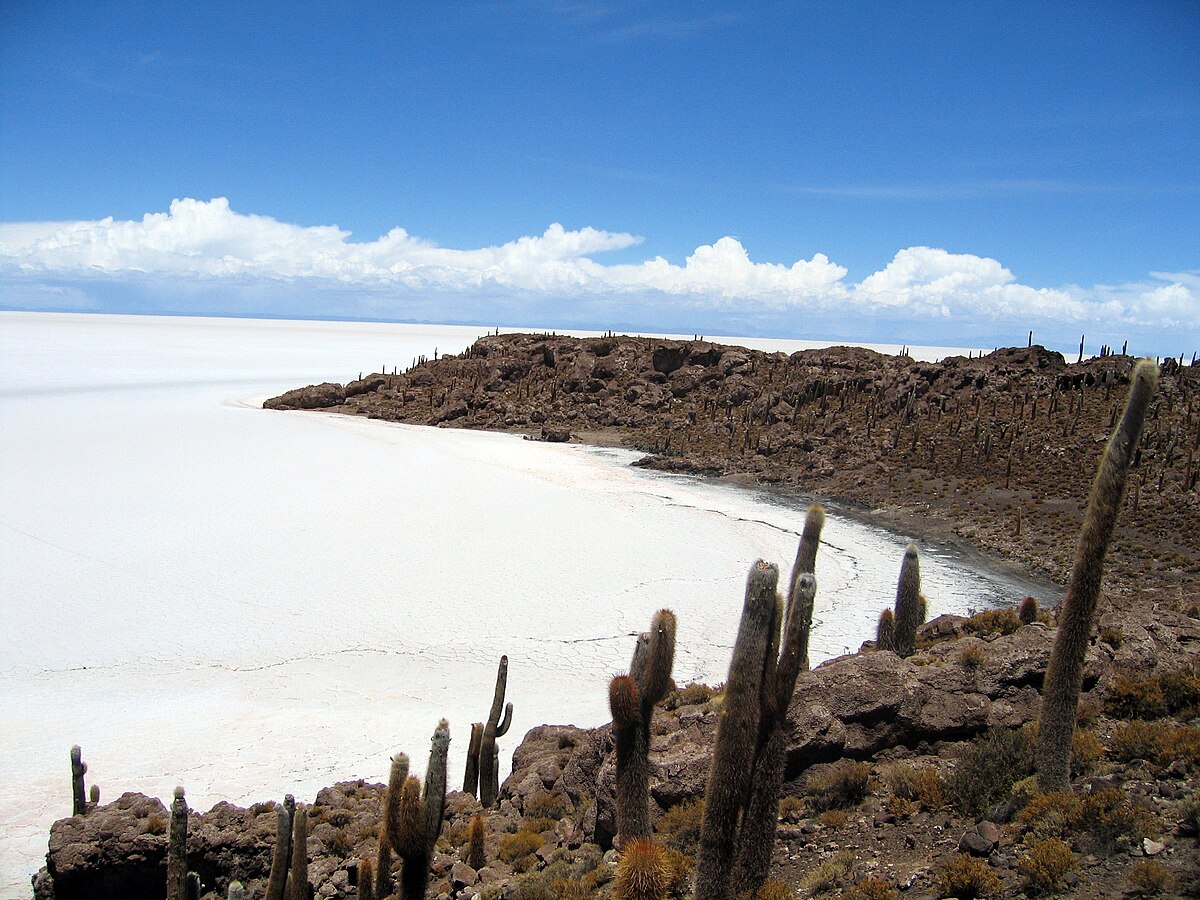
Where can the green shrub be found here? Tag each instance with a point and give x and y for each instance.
(966, 878)
(1045, 866)
(841, 785)
(989, 768)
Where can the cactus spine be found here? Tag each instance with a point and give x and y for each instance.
(631, 698)
(910, 603)
(281, 855)
(79, 805)
(297, 879)
(177, 848)
(1076, 615)
(414, 817)
(489, 757)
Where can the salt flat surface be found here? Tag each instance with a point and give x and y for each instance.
(250, 602)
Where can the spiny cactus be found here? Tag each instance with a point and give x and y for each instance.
(476, 834)
(489, 757)
(193, 886)
(236, 891)
(644, 872)
(383, 868)
(885, 631)
(747, 763)
(471, 775)
(177, 848)
(93, 797)
(806, 562)
(631, 699)
(910, 603)
(366, 880)
(414, 817)
(297, 880)
(1076, 615)
(1027, 612)
(281, 854)
(79, 805)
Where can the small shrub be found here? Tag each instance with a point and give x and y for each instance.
(993, 621)
(1102, 819)
(156, 824)
(870, 889)
(1189, 816)
(833, 819)
(792, 809)
(899, 807)
(688, 695)
(1051, 815)
(830, 873)
(772, 890)
(546, 805)
(679, 827)
(971, 658)
(841, 785)
(989, 768)
(1138, 740)
(1171, 693)
(537, 826)
(1086, 752)
(1113, 636)
(966, 878)
(515, 846)
(339, 842)
(1045, 866)
(1149, 878)
(534, 886)
(920, 783)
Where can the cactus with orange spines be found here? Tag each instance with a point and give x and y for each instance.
(644, 872)
(885, 631)
(1027, 612)
(366, 880)
(631, 699)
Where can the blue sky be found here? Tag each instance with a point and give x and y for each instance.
(954, 172)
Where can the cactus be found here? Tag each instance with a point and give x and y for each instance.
(471, 775)
(193, 886)
(1027, 612)
(631, 699)
(806, 563)
(383, 868)
(910, 603)
(476, 857)
(644, 872)
(1064, 671)
(78, 793)
(297, 880)
(489, 758)
(177, 872)
(93, 797)
(281, 855)
(414, 817)
(236, 891)
(885, 632)
(366, 880)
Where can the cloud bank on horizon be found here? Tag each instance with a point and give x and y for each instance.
(203, 257)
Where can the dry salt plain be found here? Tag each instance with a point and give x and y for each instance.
(250, 603)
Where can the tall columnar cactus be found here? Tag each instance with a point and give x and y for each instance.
(910, 603)
(885, 631)
(741, 800)
(414, 817)
(281, 854)
(806, 563)
(366, 880)
(297, 879)
(383, 868)
(476, 835)
(489, 757)
(79, 805)
(631, 699)
(177, 848)
(471, 774)
(1076, 615)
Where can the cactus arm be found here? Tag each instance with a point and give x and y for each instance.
(502, 728)
(392, 812)
(737, 736)
(1064, 672)
(654, 679)
(633, 777)
(383, 869)
(885, 631)
(280, 855)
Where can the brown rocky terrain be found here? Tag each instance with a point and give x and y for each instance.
(999, 450)
(905, 777)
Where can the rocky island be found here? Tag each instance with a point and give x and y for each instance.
(902, 773)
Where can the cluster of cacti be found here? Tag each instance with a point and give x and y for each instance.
(413, 817)
(297, 879)
(1076, 614)
(282, 853)
(483, 757)
(741, 798)
(897, 629)
(81, 805)
(632, 698)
